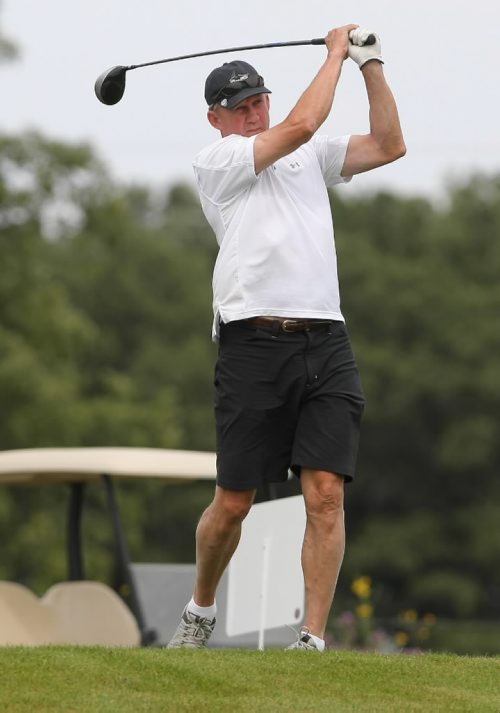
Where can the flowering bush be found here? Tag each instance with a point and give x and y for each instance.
(357, 629)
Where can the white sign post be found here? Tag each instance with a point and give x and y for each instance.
(265, 580)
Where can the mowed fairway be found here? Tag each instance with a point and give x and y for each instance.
(69, 679)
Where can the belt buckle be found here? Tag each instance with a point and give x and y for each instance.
(286, 322)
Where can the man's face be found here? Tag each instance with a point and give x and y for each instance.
(249, 117)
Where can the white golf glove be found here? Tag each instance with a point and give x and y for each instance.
(360, 52)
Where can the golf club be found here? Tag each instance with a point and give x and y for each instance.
(110, 85)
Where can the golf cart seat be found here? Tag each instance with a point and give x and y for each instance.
(91, 613)
(23, 620)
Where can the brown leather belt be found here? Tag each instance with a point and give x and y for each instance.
(286, 324)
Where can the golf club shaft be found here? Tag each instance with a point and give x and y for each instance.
(110, 85)
(317, 41)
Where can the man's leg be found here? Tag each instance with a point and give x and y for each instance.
(217, 537)
(324, 543)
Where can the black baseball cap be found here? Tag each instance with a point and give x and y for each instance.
(234, 81)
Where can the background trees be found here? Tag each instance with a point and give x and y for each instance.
(8, 49)
(105, 316)
(421, 293)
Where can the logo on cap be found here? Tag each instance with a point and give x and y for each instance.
(238, 78)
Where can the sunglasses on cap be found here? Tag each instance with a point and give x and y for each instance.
(244, 81)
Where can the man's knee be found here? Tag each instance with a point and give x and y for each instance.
(323, 493)
(233, 505)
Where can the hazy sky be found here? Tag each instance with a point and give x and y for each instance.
(441, 60)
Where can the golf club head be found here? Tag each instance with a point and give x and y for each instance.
(110, 85)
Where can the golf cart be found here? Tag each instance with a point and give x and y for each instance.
(264, 578)
(79, 611)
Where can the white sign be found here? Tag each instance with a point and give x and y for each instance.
(266, 584)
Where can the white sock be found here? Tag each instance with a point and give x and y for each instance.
(207, 612)
(320, 643)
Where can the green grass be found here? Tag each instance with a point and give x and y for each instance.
(97, 680)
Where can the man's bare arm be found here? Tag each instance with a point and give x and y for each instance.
(385, 141)
(311, 109)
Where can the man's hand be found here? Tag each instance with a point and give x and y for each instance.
(360, 52)
(337, 40)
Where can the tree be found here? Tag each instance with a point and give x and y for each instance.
(422, 297)
(98, 297)
(8, 49)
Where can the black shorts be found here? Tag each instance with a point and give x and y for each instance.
(285, 400)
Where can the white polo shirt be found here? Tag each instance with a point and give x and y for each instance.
(275, 233)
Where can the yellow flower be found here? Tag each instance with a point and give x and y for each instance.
(401, 638)
(423, 633)
(364, 611)
(429, 619)
(362, 587)
(409, 615)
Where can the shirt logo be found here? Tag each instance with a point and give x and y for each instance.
(295, 164)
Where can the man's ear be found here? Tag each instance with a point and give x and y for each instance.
(213, 118)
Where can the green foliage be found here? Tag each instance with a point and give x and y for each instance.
(422, 298)
(8, 49)
(467, 638)
(100, 306)
(104, 338)
(105, 317)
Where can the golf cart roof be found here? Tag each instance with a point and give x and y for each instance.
(67, 465)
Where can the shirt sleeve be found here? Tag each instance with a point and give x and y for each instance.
(225, 168)
(331, 153)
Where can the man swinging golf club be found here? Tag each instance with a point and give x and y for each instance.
(287, 389)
